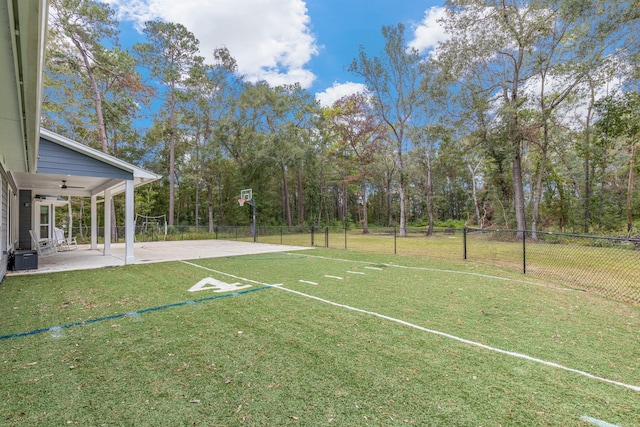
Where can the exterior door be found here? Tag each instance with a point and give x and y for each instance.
(44, 219)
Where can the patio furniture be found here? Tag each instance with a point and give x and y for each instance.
(44, 247)
(64, 243)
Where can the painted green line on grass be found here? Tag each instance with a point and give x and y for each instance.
(131, 313)
(433, 331)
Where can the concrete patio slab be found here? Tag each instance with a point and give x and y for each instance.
(84, 258)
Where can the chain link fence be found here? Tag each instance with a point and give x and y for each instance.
(606, 265)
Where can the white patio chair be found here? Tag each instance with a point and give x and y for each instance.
(44, 247)
(64, 243)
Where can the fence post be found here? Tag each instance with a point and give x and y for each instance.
(464, 242)
(326, 237)
(395, 244)
(524, 251)
(345, 237)
(312, 243)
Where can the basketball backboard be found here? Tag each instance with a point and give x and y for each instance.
(246, 194)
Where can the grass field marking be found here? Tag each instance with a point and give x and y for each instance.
(334, 277)
(374, 268)
(355, 272)
(438, 270)
(431, 331)
(211, 283)
(307, 282)
(226, 274)
(596, 422)
(468, 342)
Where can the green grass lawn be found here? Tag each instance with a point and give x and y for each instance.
(609, 271)
(347, 339)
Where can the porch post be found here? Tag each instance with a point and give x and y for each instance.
(129, 230)
(107, 222)
(94, 222)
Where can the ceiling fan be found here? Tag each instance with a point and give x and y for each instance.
(64, 185)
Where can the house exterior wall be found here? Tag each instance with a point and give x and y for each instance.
(25, 219)
(58, 160)
(5, 218)
(4, 223)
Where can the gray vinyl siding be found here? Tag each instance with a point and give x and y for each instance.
(4, 227)
(24, 219)
(58, 160)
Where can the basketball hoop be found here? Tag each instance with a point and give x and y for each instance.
(246, 195)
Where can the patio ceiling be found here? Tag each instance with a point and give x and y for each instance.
(51, 185)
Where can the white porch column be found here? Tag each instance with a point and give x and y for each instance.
(94, 222)
(107, 222)
(129, 228)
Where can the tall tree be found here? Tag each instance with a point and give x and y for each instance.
(169, 55)
(504, 46)
(358, 134)
(620, 118)
(394, 80)
(88, 24)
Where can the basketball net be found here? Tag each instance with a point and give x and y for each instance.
(241, 201)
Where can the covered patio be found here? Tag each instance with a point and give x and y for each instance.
(65, 169)
(85, 258)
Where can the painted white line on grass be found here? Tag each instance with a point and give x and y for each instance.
(375, 268)
(468, 342)
(308, 282)
(226, 274)
(333, 277)
(597, 422)
(355, 272)
(438, 270)
(432, 331)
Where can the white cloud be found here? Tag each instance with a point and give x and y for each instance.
(270, 39)
(337, 91)
(429, 32)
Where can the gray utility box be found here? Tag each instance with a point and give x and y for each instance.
(25, 260)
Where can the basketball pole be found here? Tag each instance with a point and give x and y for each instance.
(246, 196)
(252, 202)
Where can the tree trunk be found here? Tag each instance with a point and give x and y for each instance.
(300, 199)
(475, 193)
(285, 196)
(518, 192)
(630, 188)
(388, 191)
(210, 205)
(172, 153)
(538, 185)
(220, 210)
(97, 97)
(429, 195)
(587, 166)
(365, 218)
(403, 212)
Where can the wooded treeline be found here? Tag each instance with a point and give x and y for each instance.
(526, 117)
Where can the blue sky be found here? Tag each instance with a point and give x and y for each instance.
(285, 41)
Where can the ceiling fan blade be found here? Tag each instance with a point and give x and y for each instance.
(64, 185)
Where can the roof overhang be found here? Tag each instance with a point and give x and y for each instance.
(82, 185)
(23, 26)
